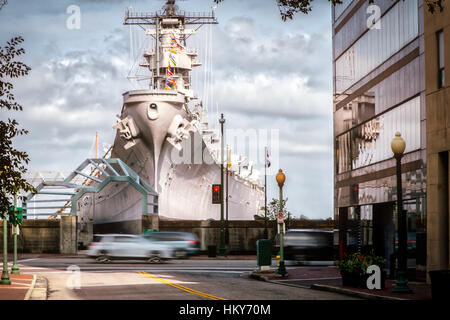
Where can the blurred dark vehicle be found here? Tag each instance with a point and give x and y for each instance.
(307, 245)
(184, 244)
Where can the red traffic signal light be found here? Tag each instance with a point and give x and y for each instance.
(216, 194)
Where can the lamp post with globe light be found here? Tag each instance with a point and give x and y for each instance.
(398, 146)
(281, 178)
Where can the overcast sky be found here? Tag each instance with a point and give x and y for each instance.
(268, 74)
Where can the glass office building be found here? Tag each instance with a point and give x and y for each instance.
(379, 89)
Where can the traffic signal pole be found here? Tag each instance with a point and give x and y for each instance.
(222, 226)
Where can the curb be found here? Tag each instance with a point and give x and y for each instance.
(260, 277)
(322, 287)
(30, 290)
(255, 276)
(40, 289)
(352, 293)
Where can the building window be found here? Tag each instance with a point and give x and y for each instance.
(369, 142)
(399, 27)
(441, 73)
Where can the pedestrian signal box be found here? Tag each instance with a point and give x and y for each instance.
(217, 194)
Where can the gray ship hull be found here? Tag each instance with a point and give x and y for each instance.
(182, 180)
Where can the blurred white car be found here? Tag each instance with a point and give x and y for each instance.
(126, 246)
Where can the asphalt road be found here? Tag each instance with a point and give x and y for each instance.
(209, 279)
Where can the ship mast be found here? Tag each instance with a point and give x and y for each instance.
(170, 61)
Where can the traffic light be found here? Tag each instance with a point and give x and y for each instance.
(216, 194)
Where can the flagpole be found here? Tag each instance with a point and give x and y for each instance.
(266, 235)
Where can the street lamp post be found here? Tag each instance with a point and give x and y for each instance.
(398, 147)
(15, 267)
(5, 276)
(281, 178)
(222, 229)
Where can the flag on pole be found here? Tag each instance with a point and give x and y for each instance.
(267, 159)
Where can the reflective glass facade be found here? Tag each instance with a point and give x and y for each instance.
(397, 27)
(391, 91)
(338, 10)
(379, 89)
(368, 143)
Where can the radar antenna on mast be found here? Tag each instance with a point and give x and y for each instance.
(170, 37)
(170, 8)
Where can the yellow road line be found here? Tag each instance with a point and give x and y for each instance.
(181, 287)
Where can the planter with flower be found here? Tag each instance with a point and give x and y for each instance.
(353, 269)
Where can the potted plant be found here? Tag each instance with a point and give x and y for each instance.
(353, 269)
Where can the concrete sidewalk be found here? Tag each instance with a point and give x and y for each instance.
(329, 279)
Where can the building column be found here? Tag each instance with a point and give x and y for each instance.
(68, 235)
(438, 224)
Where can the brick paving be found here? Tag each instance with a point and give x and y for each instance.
(19, 287)
(420, 291)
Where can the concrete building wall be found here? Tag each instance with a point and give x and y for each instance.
(438, 140)
(44, 236)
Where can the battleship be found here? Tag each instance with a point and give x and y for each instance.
(164, 136)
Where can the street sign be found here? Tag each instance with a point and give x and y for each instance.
(280, 217)
(15, 217)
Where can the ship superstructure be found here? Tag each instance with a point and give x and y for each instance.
(166, 141)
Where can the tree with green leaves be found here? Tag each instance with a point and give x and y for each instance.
(12, 161)
(273, 207)
(290, 7)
